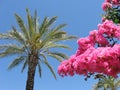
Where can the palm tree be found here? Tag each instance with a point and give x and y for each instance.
(33, 43)
(107, 83)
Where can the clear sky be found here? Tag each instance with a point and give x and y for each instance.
(81, 17)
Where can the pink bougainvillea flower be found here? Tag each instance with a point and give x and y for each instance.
(103, 59)
(106, 5)
(116, 2)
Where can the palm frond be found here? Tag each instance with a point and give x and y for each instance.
(64, 38)
(44, 60)
(51, 21)
(2, 47)
(96, 87)
(24, 64)
(55, 45)
(39, 69)
(35, 20)
(16, 62)
(56, 57)
(12, 50)
(59, 56)
(50, 68)
(117, 83)
(30, 24)
(4, 36)
(52, 37)
(59, 27)
(17, 36)
(43, 29)
(56, 34)
(22, 26)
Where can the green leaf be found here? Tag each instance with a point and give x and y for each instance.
(58, 56)
(11, 50)
(51, 69)
(22, 26)
(59, 27)
(39, 69)
(48, 65)
(66, 37)
(5, 46)
(17, 35)
(54, 45)
(43, 29)
(4, 36)
(35, 20)
(30, 24)
(51, 21)
(24, 65)
(16, 62)
(116, 20)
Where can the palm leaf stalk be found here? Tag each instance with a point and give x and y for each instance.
(33, 43)
(107, 83)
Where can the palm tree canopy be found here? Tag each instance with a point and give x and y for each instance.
(34, 37)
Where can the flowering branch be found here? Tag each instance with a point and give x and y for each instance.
(98, 53)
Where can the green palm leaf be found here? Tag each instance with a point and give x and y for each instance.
(4, 36)
(2, 47)
(30, 24)
(117, 83)
(44, 60)
(22, 26)
(39, 69)
(51, 21)
(43, 29)
(50, 67)
(64, 38)
(17, 35)
(59, 56)
(53, 45)
(11, 50)
(16, 62)
(24, 64)
(59, 27)
(35, 20)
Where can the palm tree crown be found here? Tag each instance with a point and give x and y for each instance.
(33, 43)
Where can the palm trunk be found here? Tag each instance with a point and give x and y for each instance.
(32, 63)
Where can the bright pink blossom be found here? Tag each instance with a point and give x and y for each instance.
(108, 1)
(89, 58)
(106, 5)
(116, 2)
(109, 28)
(111, 2)
(98, 38)
(84, 44)
(104, 60)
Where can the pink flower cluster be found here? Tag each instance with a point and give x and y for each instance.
(106, 5)
(110, 29)
(104, 60)
(109, 3)
(92, 59)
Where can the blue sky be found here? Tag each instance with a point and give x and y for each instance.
(81, 17)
